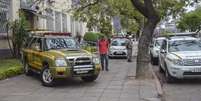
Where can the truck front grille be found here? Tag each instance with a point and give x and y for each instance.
(80, 61)
(192, 62)
(83, 61)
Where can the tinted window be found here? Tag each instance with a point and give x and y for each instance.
(164, 45)
(36, 42)
(158, 42)
(184, 45)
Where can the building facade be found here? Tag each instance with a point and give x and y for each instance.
(52, 15)
(49, 15)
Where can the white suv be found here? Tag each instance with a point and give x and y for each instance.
(180, 57)
(155, 49)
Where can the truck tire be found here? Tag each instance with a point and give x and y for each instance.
(46, 77)
(168, 77)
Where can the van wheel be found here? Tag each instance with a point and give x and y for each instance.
(47, 77)
(89, 78)
(27, 70)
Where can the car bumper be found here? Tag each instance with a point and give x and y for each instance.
(64, 72)
(118, 53)
(185, 71)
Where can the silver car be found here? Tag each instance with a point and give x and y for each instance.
(155, 48)
(118, 47)
(180, 57)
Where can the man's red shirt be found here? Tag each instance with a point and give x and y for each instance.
(103, 46)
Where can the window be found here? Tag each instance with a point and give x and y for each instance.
(164, 45)
(36, 44)
(61, 43)
(4, 14)
(184, 45)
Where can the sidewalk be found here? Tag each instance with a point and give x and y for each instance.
(118, 84)
(131, 89)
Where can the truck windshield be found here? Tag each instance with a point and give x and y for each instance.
(184, 45)
(62, 43)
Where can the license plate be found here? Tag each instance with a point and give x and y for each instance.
(82, 71)
(119, 52)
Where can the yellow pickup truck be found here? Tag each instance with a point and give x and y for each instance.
(58, 55)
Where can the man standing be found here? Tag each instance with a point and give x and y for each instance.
(129, 46)
(103, 50)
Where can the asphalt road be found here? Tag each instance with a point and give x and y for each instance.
(110, 86)
(181, 90)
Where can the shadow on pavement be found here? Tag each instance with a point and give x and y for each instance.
(68, 82)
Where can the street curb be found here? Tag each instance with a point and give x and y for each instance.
(158, 84)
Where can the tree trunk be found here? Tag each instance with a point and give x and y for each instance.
(143, 58)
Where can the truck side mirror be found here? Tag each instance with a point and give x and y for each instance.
(37, 47)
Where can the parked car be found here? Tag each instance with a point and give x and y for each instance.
(155, 49)
(118, 47)
(180, 57)
(58, 55)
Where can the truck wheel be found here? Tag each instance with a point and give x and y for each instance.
(47, 78)
(169, 78)
(89, 78)
(27, 70)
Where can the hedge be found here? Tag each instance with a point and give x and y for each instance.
(92, 36)
(10, 68)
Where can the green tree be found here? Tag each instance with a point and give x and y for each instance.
(191, 21)
(100, 14)
(19, 33)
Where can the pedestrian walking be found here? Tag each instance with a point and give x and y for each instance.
(103, 51)
(129, 47)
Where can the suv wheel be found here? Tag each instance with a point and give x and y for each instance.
(89, 78)
(168, 77)
(47, 78)
(154, 61)
(27, 70)
(160, 68)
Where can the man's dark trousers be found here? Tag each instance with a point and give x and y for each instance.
(104, 61)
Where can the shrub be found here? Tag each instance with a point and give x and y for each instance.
(92, 36)
(10, 68)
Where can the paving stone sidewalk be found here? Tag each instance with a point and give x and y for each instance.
(114, 85)
(119, 84)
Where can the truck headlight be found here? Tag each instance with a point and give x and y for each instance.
(60, 62)
(177, 62)
(96, 60)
